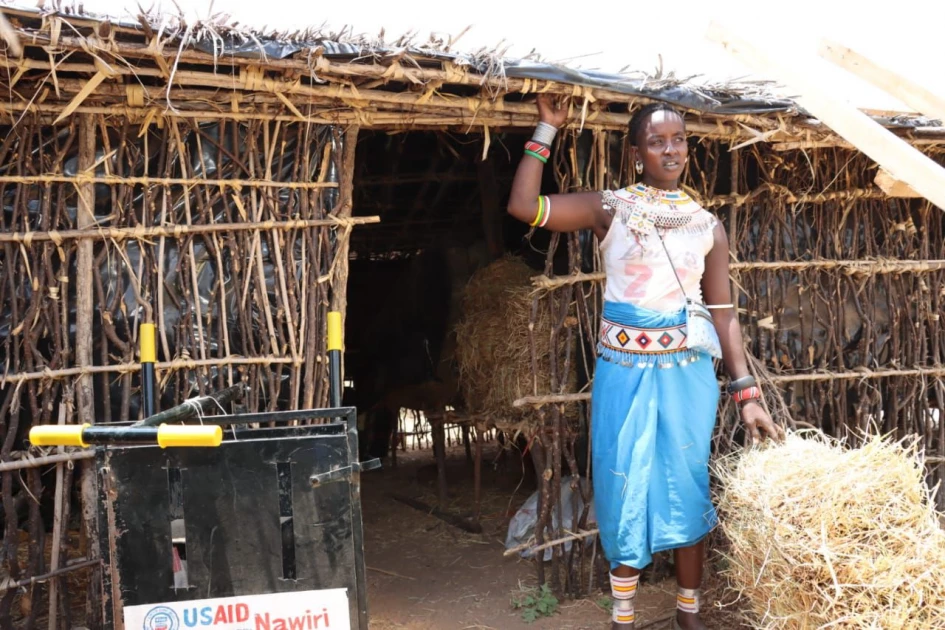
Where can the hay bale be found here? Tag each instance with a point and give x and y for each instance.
(493, 351)
(825, 536)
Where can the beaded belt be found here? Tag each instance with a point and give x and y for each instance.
(642, 340)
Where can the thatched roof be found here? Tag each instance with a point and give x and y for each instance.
(78, 62)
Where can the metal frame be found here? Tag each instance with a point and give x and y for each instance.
(342, 421)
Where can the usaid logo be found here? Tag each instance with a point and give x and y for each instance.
(161, 618)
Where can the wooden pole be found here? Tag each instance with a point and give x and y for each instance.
(339, 282)
(551, 399)
(125, 368)
(112, 180)
(180, 230)
(559, 541)
(37, 462)
(85, 219)
(84, 308)
(467, 445)
(903, 162)
(438, 431)
(867, 267)
(477, 473)
(909, 92)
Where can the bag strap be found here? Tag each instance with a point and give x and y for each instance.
(671, 265)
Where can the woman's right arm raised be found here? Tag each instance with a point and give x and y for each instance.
(558, 213)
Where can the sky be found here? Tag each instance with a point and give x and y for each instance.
(611, 35)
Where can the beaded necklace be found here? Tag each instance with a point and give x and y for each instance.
(643, 208)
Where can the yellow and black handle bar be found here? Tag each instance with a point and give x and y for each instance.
(154, 429)
(165, 435)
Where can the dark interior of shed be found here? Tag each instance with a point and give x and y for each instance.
(442, 216)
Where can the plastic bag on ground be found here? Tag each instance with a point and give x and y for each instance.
(522, 526)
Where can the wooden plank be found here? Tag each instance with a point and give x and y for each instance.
(907, 91)
(894, 187)
(902, 161)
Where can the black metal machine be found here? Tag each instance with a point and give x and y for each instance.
(270, 511)
(257, 528)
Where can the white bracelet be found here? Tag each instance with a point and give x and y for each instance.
(545, 133)
(547, 212)
(714, 306)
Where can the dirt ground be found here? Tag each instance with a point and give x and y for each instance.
(426, 574)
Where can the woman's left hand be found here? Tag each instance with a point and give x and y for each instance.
(758, 423)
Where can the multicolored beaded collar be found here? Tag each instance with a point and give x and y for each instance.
(642, 209)
(658, 195)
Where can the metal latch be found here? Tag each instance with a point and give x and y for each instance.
(371, 464)
(344, 473)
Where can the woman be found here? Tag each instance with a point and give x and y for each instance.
(654, 400)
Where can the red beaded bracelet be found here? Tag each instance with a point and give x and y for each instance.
(539, 148)
(744, 395)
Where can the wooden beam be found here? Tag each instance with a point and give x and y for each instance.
(809, 144)
(903, 162)
(907, 91)
(894, 187)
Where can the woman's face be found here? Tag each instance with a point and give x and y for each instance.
(663, 150)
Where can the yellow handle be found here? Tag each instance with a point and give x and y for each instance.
(146, 343)
(180, 435)
(334, 330)
(58, 435)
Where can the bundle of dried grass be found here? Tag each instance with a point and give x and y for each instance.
(493, 347)
(828, 537)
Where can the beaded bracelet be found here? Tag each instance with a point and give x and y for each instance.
(742, 396)
(538, 149)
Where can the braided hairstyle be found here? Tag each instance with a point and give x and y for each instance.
(643, 114)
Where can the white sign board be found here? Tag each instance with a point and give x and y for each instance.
(303, 610)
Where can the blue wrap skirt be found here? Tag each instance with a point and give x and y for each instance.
(652, 417)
